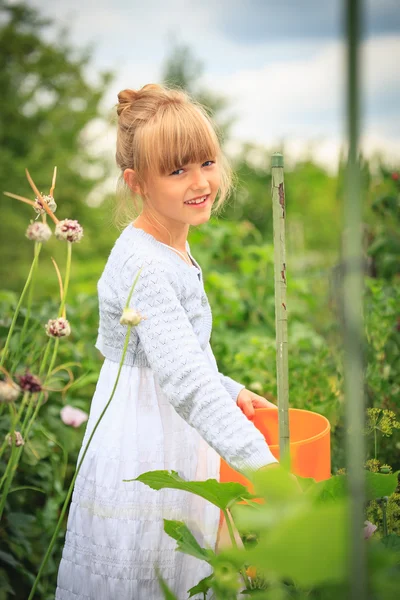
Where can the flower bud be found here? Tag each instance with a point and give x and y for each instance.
(73, 416)
(49, 201)
(58, 327)
(130, 317)
(19, 440)
(38, 232)
(69, 230)
(9, 392)
(29, 383)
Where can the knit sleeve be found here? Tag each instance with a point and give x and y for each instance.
(183, 372)
(232, 387)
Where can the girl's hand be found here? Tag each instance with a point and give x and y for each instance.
(247, 401)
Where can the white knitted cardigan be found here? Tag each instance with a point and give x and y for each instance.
(172, 341)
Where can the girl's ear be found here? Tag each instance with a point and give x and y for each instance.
(131, 181)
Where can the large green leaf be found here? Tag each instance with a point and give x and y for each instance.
(222, 495)
(377, 485)
(309, 547)
(187, 543)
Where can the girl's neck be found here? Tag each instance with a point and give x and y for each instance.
(143, 223)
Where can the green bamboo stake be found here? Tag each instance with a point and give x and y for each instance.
(279, 216)
(353, 317)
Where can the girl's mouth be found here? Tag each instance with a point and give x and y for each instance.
(200, 204)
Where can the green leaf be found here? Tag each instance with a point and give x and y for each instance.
(187, 543)
(202, 587)
(379, 485)
(222, 495)
(309, 546)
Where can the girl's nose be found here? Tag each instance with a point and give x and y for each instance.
(199, 181)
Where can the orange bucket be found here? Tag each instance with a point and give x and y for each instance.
(310, 447)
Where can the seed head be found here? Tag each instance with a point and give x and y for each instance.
(19, 440)
(30, 383)
(9, 391)
(38, 232)
(58, 327)
(131, 317)
(69, 230)
(49, 201)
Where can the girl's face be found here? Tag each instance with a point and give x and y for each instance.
(167, 194)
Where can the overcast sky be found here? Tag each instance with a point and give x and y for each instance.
(281, 64)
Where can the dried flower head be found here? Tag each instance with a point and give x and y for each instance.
(30, 383)
(58, 327)
(131, 317)
(38, 232)
(9, 391)
(38, 207)
(19, 440)
(69, 230)
(341, 471)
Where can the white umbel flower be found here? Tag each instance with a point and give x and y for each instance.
(131, 317)
(9, 391)
(49, 201)
(69, 230)
(38, 232)
(58, 327)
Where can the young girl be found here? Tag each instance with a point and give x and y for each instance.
(172, 408)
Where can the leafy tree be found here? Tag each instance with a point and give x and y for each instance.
(46, 103)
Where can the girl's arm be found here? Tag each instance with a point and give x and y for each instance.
(232, 387)
(183, 371)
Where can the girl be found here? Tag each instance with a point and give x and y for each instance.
(172, 408)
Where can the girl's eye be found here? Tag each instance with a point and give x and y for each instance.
(207, 161)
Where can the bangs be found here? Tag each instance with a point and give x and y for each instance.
(178, 135)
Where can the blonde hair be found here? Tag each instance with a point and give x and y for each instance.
(160, 129)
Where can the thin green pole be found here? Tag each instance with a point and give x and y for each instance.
(353, 316)
(282, 371)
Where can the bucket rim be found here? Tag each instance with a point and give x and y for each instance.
(308, 440)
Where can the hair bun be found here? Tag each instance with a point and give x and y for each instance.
(126, 99)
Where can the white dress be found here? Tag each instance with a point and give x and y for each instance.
(115, 532)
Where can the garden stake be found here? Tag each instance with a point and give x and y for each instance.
(353, 317)
(278, 208)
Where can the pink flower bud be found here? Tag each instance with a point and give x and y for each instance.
(73, 416)
(395, 176)
(130, 317)
(58, 327)
(69, 230)
(19, 440)
(38, 232)
(369, 529)
(49, 201)
(29, 383)
(9, 392)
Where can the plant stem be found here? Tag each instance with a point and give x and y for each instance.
(66, 281)
(17, 309)
(376, 443)
(242, 571)
(15, 421)
(28, 308)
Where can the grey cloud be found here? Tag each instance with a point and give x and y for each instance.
(256, 21)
